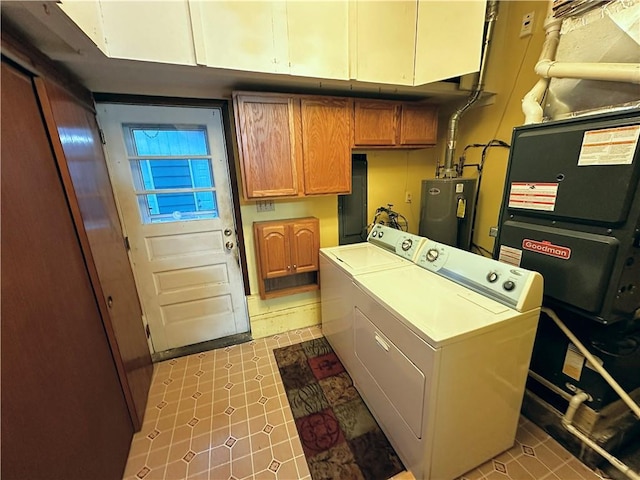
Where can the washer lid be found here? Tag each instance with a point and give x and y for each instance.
(363, 257)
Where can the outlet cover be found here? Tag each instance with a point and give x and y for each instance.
(265, 206)
(526, 28)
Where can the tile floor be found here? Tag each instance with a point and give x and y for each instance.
(223, 415)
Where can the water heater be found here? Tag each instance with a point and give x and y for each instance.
(446, 210)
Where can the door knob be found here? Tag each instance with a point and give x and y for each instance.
(229, 245)
(109, 301)
(227, 232)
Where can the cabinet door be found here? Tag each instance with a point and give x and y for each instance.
(164, 36)
(375, 123)
(274, 248)
(304, 245)
(247, 35)
(83, 169)
(385, 36)
(418, 125)
(318, 48)
(266, 137)
(326, 142)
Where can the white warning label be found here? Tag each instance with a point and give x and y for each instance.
(533, 196)
(573, 362)
(609, 146)
(510, 255)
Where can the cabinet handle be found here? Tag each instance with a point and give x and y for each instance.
(288, 267)
(295, 266)
(381, 342)
(109, 301)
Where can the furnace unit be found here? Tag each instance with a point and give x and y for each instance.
(571, 211)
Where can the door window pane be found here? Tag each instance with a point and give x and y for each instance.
(172, 172)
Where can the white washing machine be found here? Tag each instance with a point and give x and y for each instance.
(384, 249)
(442, 349)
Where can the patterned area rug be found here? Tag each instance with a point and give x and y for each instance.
(340, 438)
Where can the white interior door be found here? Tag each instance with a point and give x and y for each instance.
(169, 171)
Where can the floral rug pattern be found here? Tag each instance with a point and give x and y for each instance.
(340, 437)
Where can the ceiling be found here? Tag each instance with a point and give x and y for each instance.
(45, 26)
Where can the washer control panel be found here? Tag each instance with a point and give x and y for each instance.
(500, 281)
(403, 244)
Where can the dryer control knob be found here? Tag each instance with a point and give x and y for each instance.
(508, 285)
(375, 233)
(406, 244)
(492, 277)
(432, 254)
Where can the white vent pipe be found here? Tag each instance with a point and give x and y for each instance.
(531, 102)
(580, 397)
(567, 420)
(548, 68)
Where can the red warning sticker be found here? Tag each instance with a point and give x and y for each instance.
(547, 248)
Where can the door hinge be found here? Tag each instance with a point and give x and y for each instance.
(102, 139)
(148, 332)
(126, 243)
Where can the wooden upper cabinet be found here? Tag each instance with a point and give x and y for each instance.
(293, 145)
(326, 140)
(376, 123)
(418, 125)
(265, 127)
(304, 245)
(390, 124)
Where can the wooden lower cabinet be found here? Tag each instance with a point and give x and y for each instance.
(287, 256)
(64, 413)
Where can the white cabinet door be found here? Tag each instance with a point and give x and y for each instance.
(385, 41)
(319, 39)
(153, 31)
(449, 39)
(239, 35)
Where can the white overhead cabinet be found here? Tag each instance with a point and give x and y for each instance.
(396, 42)
(448, 39)
(249, 36)
(318, 39)
(385, 40)
(415, 42)
(304, 38)
(137, 30)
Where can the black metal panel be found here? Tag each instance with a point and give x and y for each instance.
(352, 209)
(577, 280)
(595, 213)
(549, 153)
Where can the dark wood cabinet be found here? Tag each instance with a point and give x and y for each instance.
(76, 143)
(64, 413)
(287, 256)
